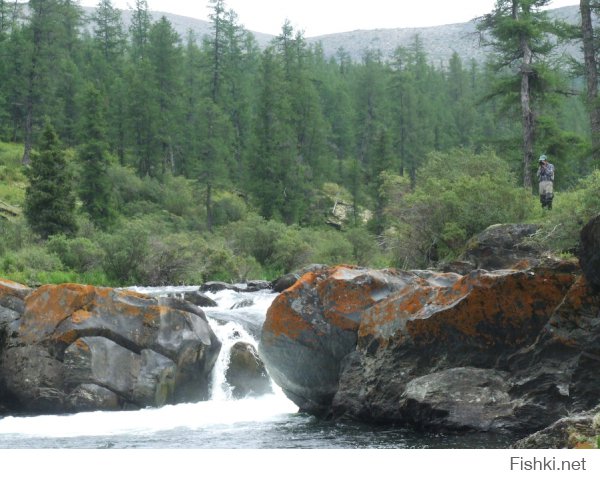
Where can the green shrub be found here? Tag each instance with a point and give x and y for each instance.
(571, 211)
(364, 246)
(172, 260)
(460, 195)
(30, 265)
(327, 247)
(79, 254)
(15, 235)
(178, 196)
(125, 252)
(228, 208)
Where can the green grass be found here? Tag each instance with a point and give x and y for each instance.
(37, 278)
(12, 178)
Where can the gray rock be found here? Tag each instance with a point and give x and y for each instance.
(216, 286)
(244, 303)
(504, 246)
(146, 351)
(460, 398)
(589, 252)
(246, 373)
(199, 299)
(288, 280)
(91, 397)
(258, 285)
(577, 430)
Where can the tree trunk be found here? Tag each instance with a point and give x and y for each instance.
(528, 118)
(526, 111)
(209, 213)
(591, 69)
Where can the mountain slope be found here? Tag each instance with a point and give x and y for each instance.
(440, 42)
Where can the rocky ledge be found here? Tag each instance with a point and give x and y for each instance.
(72, 348)
(504, 350)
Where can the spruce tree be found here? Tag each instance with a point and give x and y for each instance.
(49, 199)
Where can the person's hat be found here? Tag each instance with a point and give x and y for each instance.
(542, 158)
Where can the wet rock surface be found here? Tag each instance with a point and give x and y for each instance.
(75, 347)
(246, 373)
(504, 350)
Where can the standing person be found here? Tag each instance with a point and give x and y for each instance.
(545, 174)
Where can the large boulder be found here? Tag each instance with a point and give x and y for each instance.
(313, 325)
(246, 373)
(504, 246)
(199, 299)
(589, 252)
(441, 322)
(436, 349)
(12, 304)
(78, 347)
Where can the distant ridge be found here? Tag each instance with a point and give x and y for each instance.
(439, 42)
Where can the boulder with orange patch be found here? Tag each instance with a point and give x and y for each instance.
(80, 347)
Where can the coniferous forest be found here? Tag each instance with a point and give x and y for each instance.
(135, 156)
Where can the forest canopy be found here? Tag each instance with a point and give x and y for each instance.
(179, 160)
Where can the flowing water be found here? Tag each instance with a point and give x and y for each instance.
(270, 421)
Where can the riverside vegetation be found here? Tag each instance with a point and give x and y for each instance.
(152, 159)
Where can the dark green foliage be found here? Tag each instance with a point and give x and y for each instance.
(213, 159)
(458, 195)
(50, 201)
(95, 187)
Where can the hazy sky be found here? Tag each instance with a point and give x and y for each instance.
(318, 17)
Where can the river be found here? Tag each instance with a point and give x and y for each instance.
(267, 422)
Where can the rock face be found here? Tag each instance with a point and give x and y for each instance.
(74, 347)
(577, 431)
(589, 253)
(246, 373)
(443, 350)
(312, 326)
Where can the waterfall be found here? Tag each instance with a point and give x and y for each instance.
(219, 414)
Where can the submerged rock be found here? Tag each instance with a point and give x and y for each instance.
(77, 347)
(459, 398)
(199, 299)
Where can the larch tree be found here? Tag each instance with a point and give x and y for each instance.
(588, 9)
(520, 32)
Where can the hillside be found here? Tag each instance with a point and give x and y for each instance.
(440, 42)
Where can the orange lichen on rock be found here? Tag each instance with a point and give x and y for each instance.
(282, 320)
(81, 344)
(47, 306)
(483, 308)
(10, 288)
